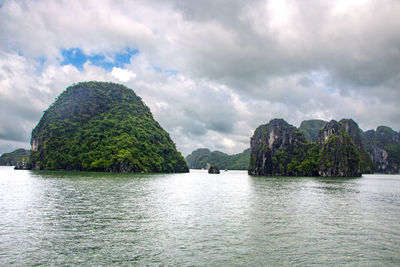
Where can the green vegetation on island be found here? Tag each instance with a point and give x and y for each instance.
(13, 158)
(199, 158)
(100, 126)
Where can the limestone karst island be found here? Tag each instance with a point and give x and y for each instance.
(99, 126)
(278, 148)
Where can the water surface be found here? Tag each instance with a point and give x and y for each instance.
(197, 219)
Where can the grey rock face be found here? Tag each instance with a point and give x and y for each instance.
(339, 156)
(346, 128)
(273, 147)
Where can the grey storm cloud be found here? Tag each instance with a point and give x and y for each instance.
(358, 46)
(236, 64)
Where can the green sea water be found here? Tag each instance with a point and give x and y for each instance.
(197, 219)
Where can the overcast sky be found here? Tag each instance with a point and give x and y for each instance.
(211, 71)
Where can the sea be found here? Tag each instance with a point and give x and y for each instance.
(197, 219)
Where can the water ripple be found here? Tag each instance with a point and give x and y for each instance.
(196, 219)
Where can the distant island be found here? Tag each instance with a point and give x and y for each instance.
(311, 153)
(101, 126)
(15, 157)
(199, 158)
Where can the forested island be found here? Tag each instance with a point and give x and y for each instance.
(102, 126)
(199, 158)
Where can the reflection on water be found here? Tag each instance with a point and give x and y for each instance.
(72, 218)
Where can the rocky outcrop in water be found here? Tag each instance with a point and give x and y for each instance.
(383, 145)
(278, 148)
(213, 169)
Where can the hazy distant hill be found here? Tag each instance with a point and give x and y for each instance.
(98, 126)
(200, 157)
(12, 158)
(311, 128)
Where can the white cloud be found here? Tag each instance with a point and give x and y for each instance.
(122, 74)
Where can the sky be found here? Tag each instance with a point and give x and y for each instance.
(211, 71)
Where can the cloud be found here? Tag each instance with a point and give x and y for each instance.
(9, 146)
(211, 71)
(122, 75)
(92, 26)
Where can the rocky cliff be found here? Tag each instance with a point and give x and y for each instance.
(339, 156)
(356, 135)
(97, 126)
(383, 145)
(278, 148)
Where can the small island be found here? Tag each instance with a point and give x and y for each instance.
(200, 157)
(214, 169)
